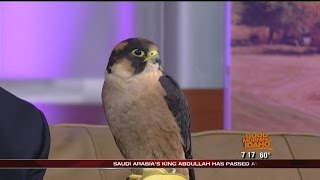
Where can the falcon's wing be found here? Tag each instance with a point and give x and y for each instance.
(178, 105)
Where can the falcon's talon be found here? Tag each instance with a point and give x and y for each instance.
(173, 170)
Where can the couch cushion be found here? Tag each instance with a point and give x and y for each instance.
(78, 141)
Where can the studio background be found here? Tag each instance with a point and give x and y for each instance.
(54, 54)
(275, 66)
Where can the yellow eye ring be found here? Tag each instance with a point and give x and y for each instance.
(153, 53)
(138, 53)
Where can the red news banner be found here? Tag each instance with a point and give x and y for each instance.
(98, 164)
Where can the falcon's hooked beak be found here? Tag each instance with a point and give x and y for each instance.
(153, 57)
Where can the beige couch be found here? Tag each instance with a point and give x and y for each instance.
(77, 141)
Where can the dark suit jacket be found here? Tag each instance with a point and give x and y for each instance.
(24, 134)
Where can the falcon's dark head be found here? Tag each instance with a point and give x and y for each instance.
(133, 56)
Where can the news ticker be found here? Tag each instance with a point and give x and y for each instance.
(113, 164)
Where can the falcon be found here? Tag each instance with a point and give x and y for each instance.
(146, 109)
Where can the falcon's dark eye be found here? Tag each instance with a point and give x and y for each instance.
(138, 53)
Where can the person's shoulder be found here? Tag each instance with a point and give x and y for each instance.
(10, 104)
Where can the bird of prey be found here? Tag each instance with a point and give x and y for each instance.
(146, 110)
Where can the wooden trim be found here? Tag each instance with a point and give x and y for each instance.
(206, 108)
